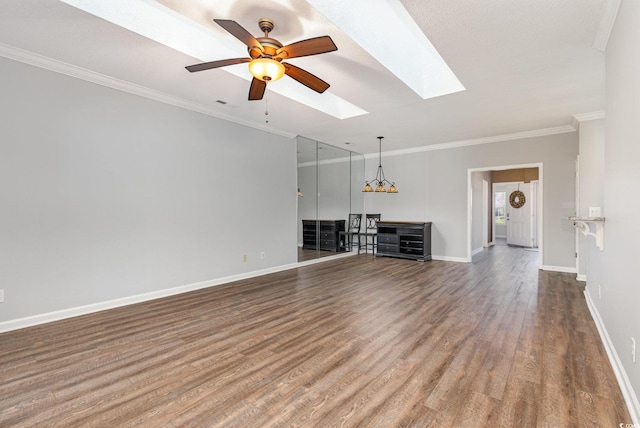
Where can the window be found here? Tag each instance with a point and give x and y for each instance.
(500, 207)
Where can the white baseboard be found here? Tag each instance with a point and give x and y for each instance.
(564, 269)
(630, 397)
(476, 251)
(581, 277)
(450, 259)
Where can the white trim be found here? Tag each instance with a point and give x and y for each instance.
(584, 117)
(576, 184)
(66, 69)
(630, 397)
(450, 259)
(493, 213)
(605, 26)
(582, 278)
(565, 269)
(476, 251)
(124, 301)
(593, 115)
(323, 259)
(326, 161)
(485, 213)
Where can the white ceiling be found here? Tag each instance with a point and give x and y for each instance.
(527, 65)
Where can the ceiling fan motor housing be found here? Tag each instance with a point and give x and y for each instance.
(269, 45)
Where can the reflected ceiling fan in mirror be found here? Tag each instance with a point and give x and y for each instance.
(266, 55)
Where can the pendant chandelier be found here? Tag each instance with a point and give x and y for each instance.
(380, 181)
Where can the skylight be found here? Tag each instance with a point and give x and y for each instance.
(163, 25)
(386, 30)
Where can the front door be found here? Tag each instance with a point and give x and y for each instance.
(519, 231)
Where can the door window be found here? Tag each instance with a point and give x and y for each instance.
(500, 207)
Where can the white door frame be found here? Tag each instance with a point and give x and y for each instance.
(485, 214)
(540, 204)
(535, 185)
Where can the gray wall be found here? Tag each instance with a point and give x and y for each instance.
(615, 268)
(433, 187)
(107, 195)
(590, 181)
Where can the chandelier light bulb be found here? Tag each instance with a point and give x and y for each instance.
(266, 69)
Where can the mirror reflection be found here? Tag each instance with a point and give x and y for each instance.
(329, 181)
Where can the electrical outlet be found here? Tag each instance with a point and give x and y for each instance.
(595, 211)
(633, 350)
(1, 296)
(244, 258)
(263, 255)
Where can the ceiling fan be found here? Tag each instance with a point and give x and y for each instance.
(266, 56)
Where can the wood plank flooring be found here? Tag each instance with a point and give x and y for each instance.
(359, 341)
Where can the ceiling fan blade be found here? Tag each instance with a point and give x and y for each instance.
(307, 47)
(256, 91)
(306, 78)
(239, 33)
(216, 64)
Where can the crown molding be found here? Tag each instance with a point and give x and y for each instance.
(325, 162)
(594, 115)
(605, 26)
(584, 117)
(478, 141)
(60, 67)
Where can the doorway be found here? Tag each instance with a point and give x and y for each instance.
(525, 222)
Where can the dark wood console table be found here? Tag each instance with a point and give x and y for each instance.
(329, 234)
(408, 240)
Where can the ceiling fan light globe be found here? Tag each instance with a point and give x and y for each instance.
(266, 69)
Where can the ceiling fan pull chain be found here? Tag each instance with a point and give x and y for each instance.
(266, 108)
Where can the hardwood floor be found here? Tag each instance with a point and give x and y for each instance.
(359, 341)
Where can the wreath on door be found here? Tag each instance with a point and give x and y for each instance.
(516, 199)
